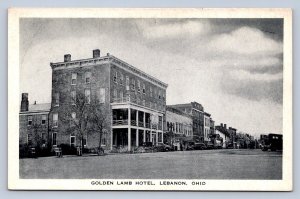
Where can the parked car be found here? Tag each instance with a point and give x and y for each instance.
(199, 146)
(190, 145)
(210, 145)
(161, 147)
(229, 146)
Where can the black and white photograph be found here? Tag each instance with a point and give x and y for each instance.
(150, 99)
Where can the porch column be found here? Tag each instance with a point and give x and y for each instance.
(162, 128)
(144, 120)
(144, 138)
(156, 138)
(137, 118)
(137, 137)
(129, 129)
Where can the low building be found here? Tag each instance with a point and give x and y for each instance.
(223, 134)
(33, 124)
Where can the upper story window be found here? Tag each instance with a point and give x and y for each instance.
(56, 99)
(29, 118)
(127, 83)
(151, 92)
(88, 77)
(159, 94)
(154, 93)
(102, 95)
(87, 94)
(121, 79)
(115, 76)
(144, 89)
(133, 84)
(74, 79)
(139, 85)
(73, 97)
(121, 96)
(115, 93)
(55, 119)
(73, 115)
(44, 117)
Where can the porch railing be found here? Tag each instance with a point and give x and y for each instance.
(120, 122)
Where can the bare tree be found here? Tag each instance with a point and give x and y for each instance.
(98, 120)
(78, 115)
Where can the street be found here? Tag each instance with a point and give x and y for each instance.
(206, 164)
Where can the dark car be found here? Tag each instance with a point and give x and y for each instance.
(210, 145)
(199, 146)
(229, 146)
(161, 147)
(190, 146)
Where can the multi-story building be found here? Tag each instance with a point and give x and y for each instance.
(195, 110)
(207, 127)
(33, 123)
(179, 122)
(135, 101)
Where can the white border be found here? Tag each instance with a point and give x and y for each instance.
(13, 94)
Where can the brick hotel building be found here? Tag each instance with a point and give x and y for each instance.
(136, 101)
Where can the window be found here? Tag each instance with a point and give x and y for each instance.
(87, 93)
(115, 76)
(84, 142)
(115, 94)
(74, 79)
(144, 102)
(150, 91)
(121, 78)
(139, 85)
(159, 94)
(144, 89)
(55, 119)
(127, 83)
(73, 115)
(73, 97)
(44, 117)
(56, 99)
(102, 95)
(154, 93)
(88, 77)
(54, 139)
(29, 138)
(29, 118)
(133, 84)
(72, 141)
(103, 141)
(121, 96)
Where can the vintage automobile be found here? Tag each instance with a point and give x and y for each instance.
(161, 147)
(273, 142)
(210, 145)
(199, 146)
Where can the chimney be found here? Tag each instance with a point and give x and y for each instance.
(67, 58)
(221, 124)
(225, 126)
(34, 102)
(96, 53)
(107, 54)
(24, 102)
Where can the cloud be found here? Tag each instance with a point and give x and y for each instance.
(248, 76)
(174, 29)
(246, 41)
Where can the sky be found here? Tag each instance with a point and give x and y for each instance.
(233, 67)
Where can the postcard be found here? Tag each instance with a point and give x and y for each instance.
(179, 99)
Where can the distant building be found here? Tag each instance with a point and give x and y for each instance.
(33, 123)
(207, 126)
(196, 111)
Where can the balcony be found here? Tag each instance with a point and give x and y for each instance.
(141, 124)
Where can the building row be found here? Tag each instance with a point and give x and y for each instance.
(131, 103)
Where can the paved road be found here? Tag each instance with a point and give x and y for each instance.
(208, 164)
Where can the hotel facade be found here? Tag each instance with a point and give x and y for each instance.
(136, 101)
